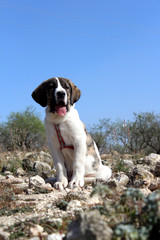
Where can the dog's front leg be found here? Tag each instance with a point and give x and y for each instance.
(78, 166)
(62, 181)
(58, 160)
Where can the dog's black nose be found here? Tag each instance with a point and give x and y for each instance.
(60, 94)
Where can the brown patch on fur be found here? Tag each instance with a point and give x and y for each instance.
(40, 94)
(75, 92)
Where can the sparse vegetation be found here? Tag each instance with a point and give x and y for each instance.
(62, 205)
(7, 211)
(120, 166)
(21, 230)
(140, 135)
(126, 211)
(133, 216)
(23, 131)
(12, 165)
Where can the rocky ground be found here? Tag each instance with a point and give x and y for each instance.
(30, 208)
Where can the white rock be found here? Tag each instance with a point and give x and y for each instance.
(123, 180)
(74, 205)
(37, 181)
(128, 163)
(145, 191)
(55, 236)
(153, 157)
(93, 200)
(2, 177)
(4, 235)
(10, 177)
(47, 186)
(55, 220)
(7, 173)
(41, 167)
(120, 180)
(20, 172)
(36, 230)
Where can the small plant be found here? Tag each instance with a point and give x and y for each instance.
(120, 166)
(132, 201)
(62, 205)
(19, 230)
(40, 190)
(130, 232)
(55, 226)
(6, 211)
(103, 191)
(13, 165)
(133, 216)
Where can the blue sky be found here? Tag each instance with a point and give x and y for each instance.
(109, 49)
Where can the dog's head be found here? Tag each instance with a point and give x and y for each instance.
(59, 94)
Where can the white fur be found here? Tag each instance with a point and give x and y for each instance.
(60, 89)
(67, 160)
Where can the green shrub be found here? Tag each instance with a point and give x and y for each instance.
(140, 135)
(133, 216)
(23, 131)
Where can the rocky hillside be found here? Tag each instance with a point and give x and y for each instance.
(125, 207)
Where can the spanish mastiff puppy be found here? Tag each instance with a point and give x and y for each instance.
(75, 154)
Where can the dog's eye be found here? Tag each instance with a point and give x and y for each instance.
(66, 86)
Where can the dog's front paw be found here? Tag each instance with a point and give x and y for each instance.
(61, 184)
(76, 182)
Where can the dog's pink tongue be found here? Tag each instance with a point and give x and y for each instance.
(60, 110)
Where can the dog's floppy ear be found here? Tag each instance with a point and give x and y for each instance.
(40, 94)
(75, 93)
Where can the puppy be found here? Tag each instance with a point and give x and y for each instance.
(75, 154)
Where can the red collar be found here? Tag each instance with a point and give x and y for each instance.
(60, 139)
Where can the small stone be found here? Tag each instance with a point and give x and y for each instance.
(112, 183)
(157, 169)
(120, 180)
(145, 191)
(153, 157)
(4, 235)
(55, 236)
(128, 163)
(90, 225)
(127, 156)
(145, 161)
(31, 158)
(123, 180)
(28, 164)
(58, 221)
(7, 173)
(106, 156)
(38, 231)
(155, 185)
(141, 177)
(2, 177)
(93, 200)
(20, 172)
(47, 186)
(11, 177)
(37, 181)
(74, 205)
(41, 167)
